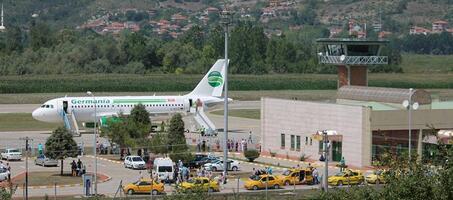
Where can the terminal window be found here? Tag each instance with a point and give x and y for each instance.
(282, 141)
(297, 143)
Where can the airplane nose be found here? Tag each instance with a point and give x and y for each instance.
(36, 115)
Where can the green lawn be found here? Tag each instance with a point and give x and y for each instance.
(245, 113)
(50, 178)
(416, 63)
(23, 122)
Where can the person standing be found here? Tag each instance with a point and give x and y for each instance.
(40, 149)
(79, 166)
(342, 164)
(315, 176)
(250, 137)
(73, 168)
(8, 168)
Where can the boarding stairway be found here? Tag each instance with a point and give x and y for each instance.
(70, 123)
(204, 122)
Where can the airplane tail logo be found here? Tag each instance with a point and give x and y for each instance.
(215, 79)
(212, 82)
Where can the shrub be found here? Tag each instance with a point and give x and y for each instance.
(251, 154)
(302, 157)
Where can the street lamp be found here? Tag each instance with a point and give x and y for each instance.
(225, 20)
(94, 146)
(409, 105)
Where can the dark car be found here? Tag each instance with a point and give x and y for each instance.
(195, 163)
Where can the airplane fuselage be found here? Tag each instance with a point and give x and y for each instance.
(85, 108)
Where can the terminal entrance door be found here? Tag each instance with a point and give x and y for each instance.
(336, 151)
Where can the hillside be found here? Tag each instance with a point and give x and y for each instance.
(396, 14)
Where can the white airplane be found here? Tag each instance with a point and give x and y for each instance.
(208, 91)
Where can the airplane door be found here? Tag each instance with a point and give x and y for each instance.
(65, 106)
(190, 105)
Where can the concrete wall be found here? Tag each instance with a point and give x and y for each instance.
(306, 118)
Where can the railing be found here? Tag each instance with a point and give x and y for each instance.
(354, 60)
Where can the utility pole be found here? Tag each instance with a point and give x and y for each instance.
(94, 145)
(26, 164)
(326, 157)
(225, 16)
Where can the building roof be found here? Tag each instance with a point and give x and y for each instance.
(440, 22)
(380, 94)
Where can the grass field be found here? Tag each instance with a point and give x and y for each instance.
(23, 122)
(177, 83)
(415, 63)
(245, 113)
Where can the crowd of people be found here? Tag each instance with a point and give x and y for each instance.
(205, 143)
(77, 168)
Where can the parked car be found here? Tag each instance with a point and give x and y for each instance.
(377, 177)
(198, 161)
(45, 161)
(347, 177)
(134, 162)
(11, 154)
(208, 159)
(144, 186)
(199, 184)
(218, 165)
(3, 174)
(296, 176)
(261, 182)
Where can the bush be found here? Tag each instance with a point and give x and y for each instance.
(302, 157)
(251, 154)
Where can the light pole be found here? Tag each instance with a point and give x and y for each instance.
(225, 20)
(94, 146)
(409, 105)
(326, 160)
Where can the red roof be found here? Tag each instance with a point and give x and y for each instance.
(440, 22)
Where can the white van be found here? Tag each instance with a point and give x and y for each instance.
(163, 167)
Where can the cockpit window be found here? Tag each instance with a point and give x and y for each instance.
(47, 106)
(43, 106)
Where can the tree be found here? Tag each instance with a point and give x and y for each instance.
(13, 39)
(140, 115)
(61, 145)
(177, 140)
(41, 36)
(129, 131)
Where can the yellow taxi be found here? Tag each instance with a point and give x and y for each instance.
(347, 177)
(144, 186)
(199, 184)
(376, 177)
(296, 176)
(259, 182)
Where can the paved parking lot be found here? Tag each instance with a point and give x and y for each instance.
(116, 171)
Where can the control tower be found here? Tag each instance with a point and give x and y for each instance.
(352, 57)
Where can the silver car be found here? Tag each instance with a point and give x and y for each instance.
(45, 161)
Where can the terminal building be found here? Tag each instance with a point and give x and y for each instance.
(366, 121)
